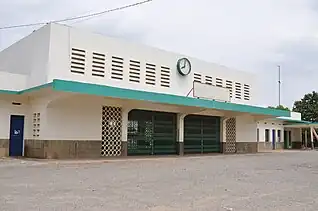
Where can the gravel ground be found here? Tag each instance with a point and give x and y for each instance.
(272, 181)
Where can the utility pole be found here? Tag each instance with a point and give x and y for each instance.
(279, 83)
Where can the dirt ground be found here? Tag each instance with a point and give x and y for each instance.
(268, 181)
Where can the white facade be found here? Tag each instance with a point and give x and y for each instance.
(47, 54)
(61, 52)
(270, 130)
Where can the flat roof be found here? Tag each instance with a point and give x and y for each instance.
(288, 120)
(129, 94)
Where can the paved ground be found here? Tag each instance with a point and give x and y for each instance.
(275, 181)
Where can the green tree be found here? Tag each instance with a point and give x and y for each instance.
(280, 107)
(308, 107)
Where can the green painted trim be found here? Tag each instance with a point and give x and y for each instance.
(8, 92)
(115, 92)
(108, 91)
(36, 88)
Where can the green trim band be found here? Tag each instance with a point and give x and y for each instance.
(115, 92)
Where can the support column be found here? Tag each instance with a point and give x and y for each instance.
(296, 138)
(180, 133)
(306, 137)
(312, 137)
(223, 134)
(124, 131)
(287, 140)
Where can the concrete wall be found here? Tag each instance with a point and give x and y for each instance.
(271, 125)
(63, 39)
(28, 57)
(245, 129)
(12, 81)
(6, 110)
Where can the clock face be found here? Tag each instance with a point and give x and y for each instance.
(184, 66)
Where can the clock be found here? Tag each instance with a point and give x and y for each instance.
(184, 66)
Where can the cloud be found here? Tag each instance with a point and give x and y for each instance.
(249, 35)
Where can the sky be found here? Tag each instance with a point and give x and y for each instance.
(248, 35)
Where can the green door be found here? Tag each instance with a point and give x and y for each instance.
(201, 134)
(151, 133)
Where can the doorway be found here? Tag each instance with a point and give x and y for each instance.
(16, 136)
(274, 139)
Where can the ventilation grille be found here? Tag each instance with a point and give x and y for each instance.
(165, 76)
(197, 77)
(219, 82)
(117, 68)
(150, 74)
(98, 65)
(36, 125)
(78, 61)
(208, 80)
(229, 86)
(246, 92)
(238, 90)
(111, 131)
(134, 71)
(230, 144)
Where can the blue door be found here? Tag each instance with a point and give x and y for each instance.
(274, 139)
(16, 135)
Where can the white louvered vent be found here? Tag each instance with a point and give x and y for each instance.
(150, 74)
(134, 71)
(78, 57)
(219, 82)
(98, 65)
(229, 85)
(117, 68)
(165, 76)
(238, 90)
(208, 80)
(246, 92)
(197, 77)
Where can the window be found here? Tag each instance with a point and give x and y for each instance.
(229, 85)
(117, 68)
(279, 135)
(150, 74)
(257, 135)
(266, 135)
(98, 65)
(78, 61)
(219, 82)
(208, 80)
(246, 92)
(197, 77)
(165, 76)
(36, 125)
(134, 71)
(238, 90)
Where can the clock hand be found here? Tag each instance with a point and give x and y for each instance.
(184, 64)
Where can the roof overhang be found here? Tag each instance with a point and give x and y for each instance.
(302, 125)
(129, 94)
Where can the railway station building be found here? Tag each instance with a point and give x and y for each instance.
(68, 93)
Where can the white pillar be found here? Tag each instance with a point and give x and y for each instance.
(180, 133)
(306, 135)
(124, 130)
(312, 137)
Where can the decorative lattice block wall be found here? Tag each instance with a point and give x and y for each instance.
(230, 144)
(111, 131)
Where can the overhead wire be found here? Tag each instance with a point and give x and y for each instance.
(88, 16)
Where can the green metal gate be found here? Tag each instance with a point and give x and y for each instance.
(151, 133)
(201, 134)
